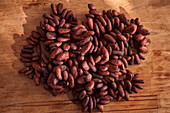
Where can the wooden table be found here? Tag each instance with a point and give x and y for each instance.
(20, 95)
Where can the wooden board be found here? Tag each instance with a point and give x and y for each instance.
(19, 94)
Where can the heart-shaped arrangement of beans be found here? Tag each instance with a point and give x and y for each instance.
(88, 57)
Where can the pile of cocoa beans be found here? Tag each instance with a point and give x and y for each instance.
(89, 57)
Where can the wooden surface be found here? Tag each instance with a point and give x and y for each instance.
(18, 94)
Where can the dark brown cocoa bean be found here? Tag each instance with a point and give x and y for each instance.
(47, 16)
(85, 66)
(125, 62)
(49, 28)
(88, 78)
(134, 89)
(45, 58)
(64, 12)
(126, 96)
(96, 41)
(55, 44)
(137, 86)
(109, 38)
(90, 23)
(63, 56)
(109, 24)
(131, 29)
(129, 75)
(55, 53)
(119, 53)
(109, 14)
(121, 27)
(88, 33)
(101, 27)
(23, 70)
(35, 58)
(90, 103)
(113, 85)
(58, 73)
(90, 85)
(128, 84)
(56, 20)
(123, 18)
(60, 8)
(137, 59)
(93, 68)
(75, 62)
(138, 81)
(71, 81)
(26, 55)
(142, 56)
(54, 9)
(73, 46)
(99, 85)
(35, 34)
(82, 94)
(67, 25)
(121, 90)
(28, 46)
(116, 22)
(111, 92)
(115, 62)
(27, 51)
(74, 72)
(91, 7)
(69, 15)
(89, 15)
(80, 31)
(85, 101)
(94, 101)
(65, 75)
(139, 37)
(84, 41)
(86, 48)
(102, 68)
(143, 49)
(81, 80)
(121, 37)
(94, 12)
(63, 30)
(27, 64)
(34, 39)
(104, 73)
(144, 32)
(91, 60)
(80, 58)
(102, 20)
(131, 62)
(48, 42)
(28, 72)
(96, 29)
(63, 39)
(51, 22)
(66, 46)
(104, 88)
(97, 80)
(100, 107)
(109, 78)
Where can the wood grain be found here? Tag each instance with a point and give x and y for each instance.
(19, 94)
